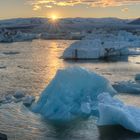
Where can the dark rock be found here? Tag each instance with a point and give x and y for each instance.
(11, 53)
(2, 67)
(3, 137)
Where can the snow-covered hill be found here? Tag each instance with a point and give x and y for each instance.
(135, 22)
(79, 23)
(67, 28)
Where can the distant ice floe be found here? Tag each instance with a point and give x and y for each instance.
(114, 112)
(72, 94)
(7, 36)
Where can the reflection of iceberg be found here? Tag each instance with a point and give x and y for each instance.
(72, 94)
(114, 112)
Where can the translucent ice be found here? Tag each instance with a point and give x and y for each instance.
(72, 94)
(114, 112)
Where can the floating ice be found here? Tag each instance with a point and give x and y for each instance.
(71, 94)
(114, 112)
(28, 100)
(13, 36)
(19, 94)
(127, 87)
(137, 77)
(94, 49)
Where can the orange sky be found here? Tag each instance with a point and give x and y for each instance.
(70, 8)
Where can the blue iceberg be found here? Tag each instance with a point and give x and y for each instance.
(114, 112)
(78, 93)
(72, 94)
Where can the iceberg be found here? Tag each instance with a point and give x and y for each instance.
(114, 112)
(101, 43)
(72, 94)
(121, 35)
(84, 49)
(95, 49)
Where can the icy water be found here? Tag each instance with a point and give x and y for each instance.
(30, 66)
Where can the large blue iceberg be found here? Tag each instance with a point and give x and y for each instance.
(72, 94)
(114, 112)
(78, 93)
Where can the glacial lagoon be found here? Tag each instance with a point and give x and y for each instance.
(30, 66)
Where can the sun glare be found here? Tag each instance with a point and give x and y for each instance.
(54, 17)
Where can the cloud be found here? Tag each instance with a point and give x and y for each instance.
(36, 7)
(37, 4)
(124, 10)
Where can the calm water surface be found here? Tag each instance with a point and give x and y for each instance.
(30, 66)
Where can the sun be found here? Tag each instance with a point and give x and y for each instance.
(54, 17)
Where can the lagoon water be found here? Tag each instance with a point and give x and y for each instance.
(30, 66)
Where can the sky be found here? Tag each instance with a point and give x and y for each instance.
(69, 8)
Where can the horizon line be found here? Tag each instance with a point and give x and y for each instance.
(66, 18)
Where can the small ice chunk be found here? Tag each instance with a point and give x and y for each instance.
(137, 77)
(28, 100)
(127, 87)
(17, 100)
(2, 100)
(9, 97)
(19, 94)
